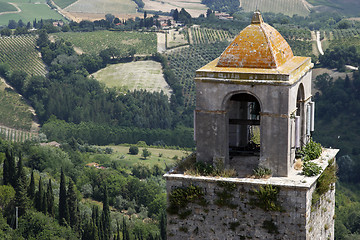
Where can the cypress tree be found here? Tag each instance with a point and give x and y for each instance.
(72, 205)
(106, 216)
(21, 200)
(163, 226)
(118, 230)
(125, 231)
(39, 196)
(9, 170)
(50, 200)
(63, 207)
(31, 189)
(44, 204)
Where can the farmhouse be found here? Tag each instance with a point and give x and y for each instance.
(253, 113)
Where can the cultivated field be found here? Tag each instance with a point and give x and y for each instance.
(15, 113)
(288, 7)
(28, 11)
(102, 6)
(134, 75)
(206, 35)
(194, 7)
(351, 7)
(20, 53)
(158, 156)
(63, 3)
(94, 42)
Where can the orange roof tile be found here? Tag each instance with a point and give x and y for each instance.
(257, 46)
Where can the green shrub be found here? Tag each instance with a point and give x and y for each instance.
(180, 197)
(311, 169)
(267, 198)
(312, 150)
(134, 150)
(325, 181)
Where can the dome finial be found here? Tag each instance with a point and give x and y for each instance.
(257, 18)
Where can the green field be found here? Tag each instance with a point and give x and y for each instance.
(20, 53)
(349, 7)
(30, 10)
(94, 42)
(6, 7)
(287, 7)
(158, 156)
(134, 75)
(63, 3)
(103, 6)
(14, 111)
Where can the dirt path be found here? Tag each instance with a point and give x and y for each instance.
(161, 39)
(318, 43)
(17, 9)
(62, 12)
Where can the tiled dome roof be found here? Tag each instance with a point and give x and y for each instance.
(257, 46)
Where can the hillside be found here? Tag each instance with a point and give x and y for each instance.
(20, 53)
(348, 7)
(287, 7)
(94, 42)
(145, 75)
(27, 11)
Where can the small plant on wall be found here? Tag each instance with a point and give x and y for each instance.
(266, 198)
(180, 197)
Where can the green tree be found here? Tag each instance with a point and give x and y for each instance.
(21, 199)
(133, 150)
(146, 153)
(9, 170)
(106, 215)
(63, 203)
(39, 196)
(73, 206)
(7, 195)
(31, 189)
(125, 230)
(163, 226)
(50, 200)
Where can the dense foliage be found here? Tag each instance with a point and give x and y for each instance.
(222, 5)
(50, 203)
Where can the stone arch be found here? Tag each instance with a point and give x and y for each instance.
(243, 123)
(301, 112)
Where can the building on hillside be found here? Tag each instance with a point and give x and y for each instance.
(223, 16)
(253, 113)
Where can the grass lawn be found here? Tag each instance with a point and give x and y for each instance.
(64, 3)
(134, 75)
(6, 7)
(94, 42)
(14, 111)
(103, 6)
(121, 154)
(29, 12)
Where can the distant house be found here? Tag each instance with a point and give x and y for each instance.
(223, 16)
(93, 164)
(53, 144)
(58, 23)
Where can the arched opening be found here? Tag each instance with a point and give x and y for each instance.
(300, 114)
(244, 125)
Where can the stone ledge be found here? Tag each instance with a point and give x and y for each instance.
(294, 180)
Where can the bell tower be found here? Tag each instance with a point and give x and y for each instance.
(251, 102)
(253, 110)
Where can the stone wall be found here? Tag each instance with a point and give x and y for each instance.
(231, 209)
